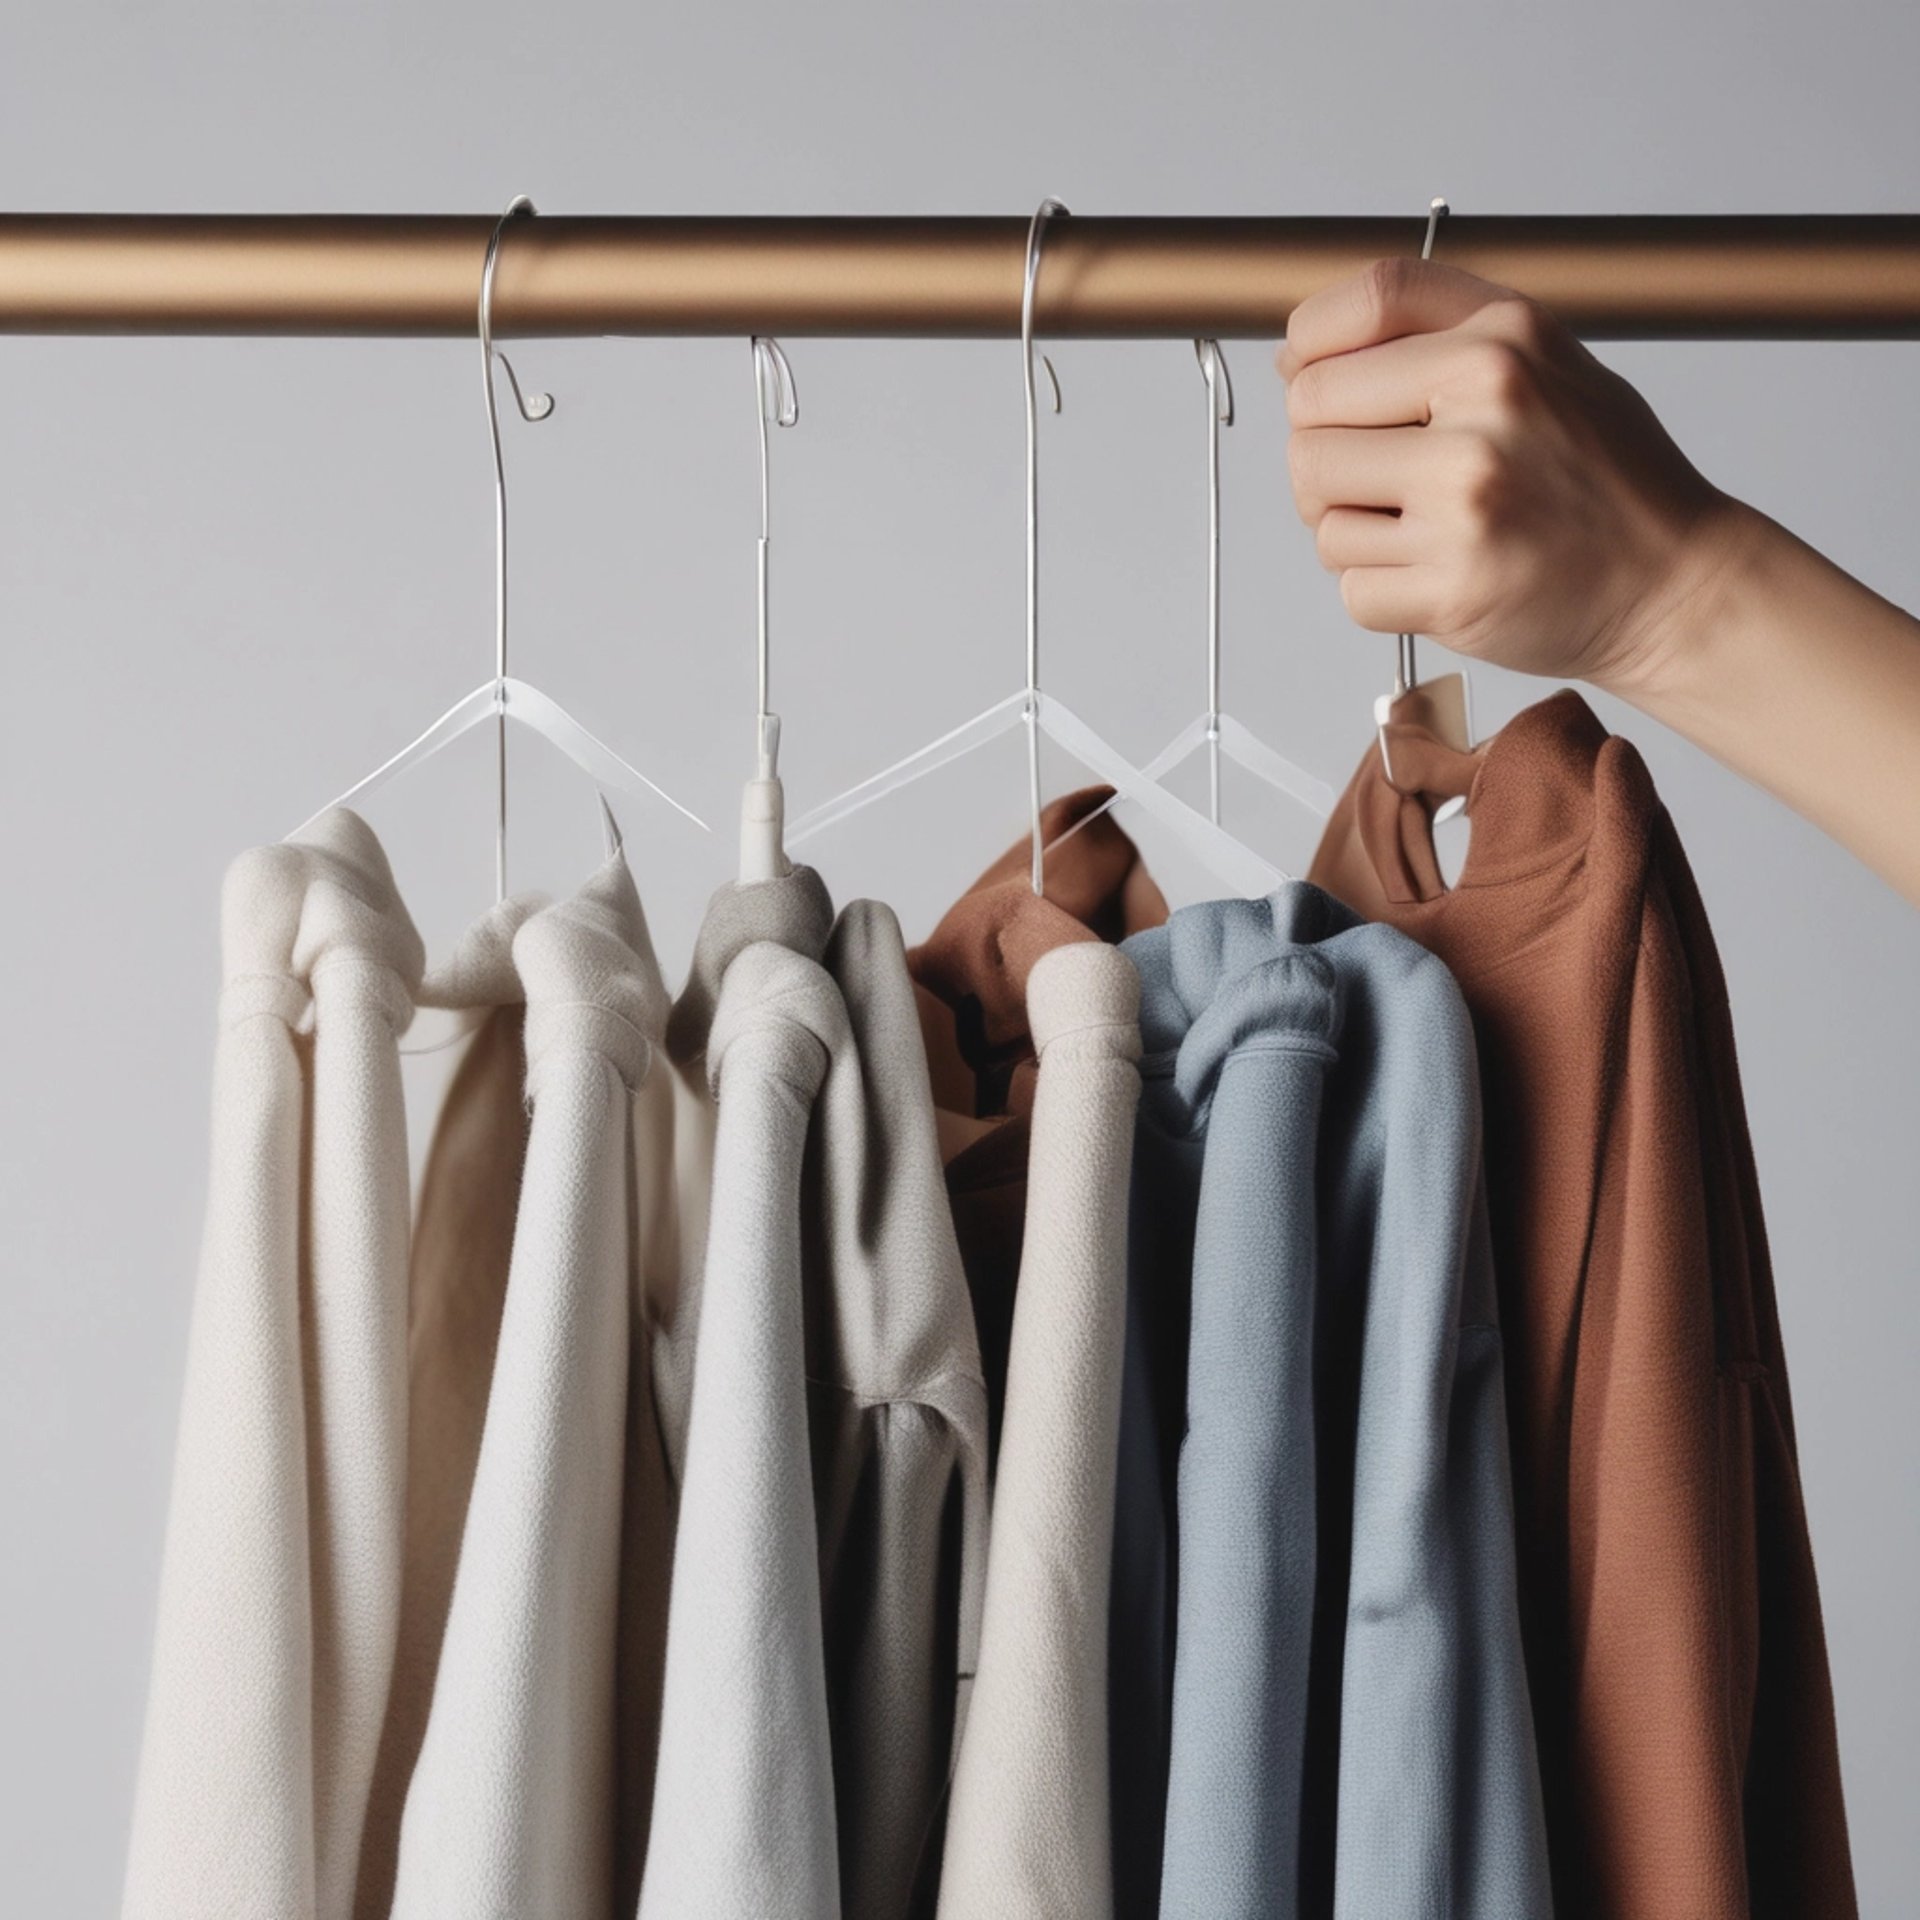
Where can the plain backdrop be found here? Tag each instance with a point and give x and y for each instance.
(234, 575)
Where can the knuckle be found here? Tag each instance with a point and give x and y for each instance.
(1524, 323)
(1303, 458)
(1303, 396)
(1382, 291)
(1325, 539)
(1480, 474)
(1504, 374)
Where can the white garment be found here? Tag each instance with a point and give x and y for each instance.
(1027, 1834)
(279, 1591)
(511, 1809)
(743, 1812)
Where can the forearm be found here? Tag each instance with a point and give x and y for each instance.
(1795, 675)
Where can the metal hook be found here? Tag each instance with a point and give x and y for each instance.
(1036, 235)
(535, 407)
(777, 405)
(1213, 369)
(1406, 672)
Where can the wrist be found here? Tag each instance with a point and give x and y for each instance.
(1695, 608)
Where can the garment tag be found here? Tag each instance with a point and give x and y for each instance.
(1444, 707)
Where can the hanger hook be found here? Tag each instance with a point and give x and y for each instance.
(1048, 209)
(532, 407)
(1407, 670)
(1213, 369)
(777, 405)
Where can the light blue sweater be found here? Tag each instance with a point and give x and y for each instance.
(1347, 1663)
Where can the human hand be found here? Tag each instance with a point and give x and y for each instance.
(1473, 473)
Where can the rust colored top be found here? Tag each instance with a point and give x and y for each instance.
(970, 979)
(1674, 1646)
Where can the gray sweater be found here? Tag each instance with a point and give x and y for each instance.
(1348, 1705)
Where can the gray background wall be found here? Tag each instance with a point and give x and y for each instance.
(235, 575)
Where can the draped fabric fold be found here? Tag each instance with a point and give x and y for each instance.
(743, 1815)
(1017, 1430)
(511, 1806)
(828, 1231)
(1028, 1832)
(279, 1598)
(1671, 1614)
(1346, 1604)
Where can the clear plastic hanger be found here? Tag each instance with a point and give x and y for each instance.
(1214, 729)
(1443, 706)
(503, 698)
(763, 853)
(1227, 859)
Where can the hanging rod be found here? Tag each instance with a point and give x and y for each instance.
(1698, 277)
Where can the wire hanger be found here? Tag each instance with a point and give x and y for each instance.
(1230, 862)
(1217, 731)
(503, 698)
(763, 805)
(1443, 706)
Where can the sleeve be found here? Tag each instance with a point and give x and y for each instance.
(222, 1817)
(1439, 1793)
(1248, 1507)
(280, 1588)
(510, 1809)
(1028, 1828)
(743, 1809)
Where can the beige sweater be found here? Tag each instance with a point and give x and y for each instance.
(1027, 1833)
(512, 1806)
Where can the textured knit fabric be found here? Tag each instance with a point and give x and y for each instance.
(511, 1807)
(462, 1244)
(280, 1587)
(1674, 1643)
(829, 1227)
(1343, 1491)
(972, 977)
(1027, 1835)
(743, 1817)
(898, 1417)
(794, 911)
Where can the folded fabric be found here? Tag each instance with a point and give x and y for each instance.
(280, 1587)
(457, 1290)
(891, 1346)
(743, 1812)
(1347, 1663)
(971, 979)
(831, 1551)
(511, 1808)
(1028, 1832)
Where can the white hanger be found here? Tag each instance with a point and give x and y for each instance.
(763, 806)
(1443, 706)
(503, 698)
(1231, 862)
(1219, 732)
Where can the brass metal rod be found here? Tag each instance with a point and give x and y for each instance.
(1705, 277)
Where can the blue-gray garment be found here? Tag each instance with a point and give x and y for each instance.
(1347, 1664)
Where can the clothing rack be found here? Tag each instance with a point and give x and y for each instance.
(1693, 277)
